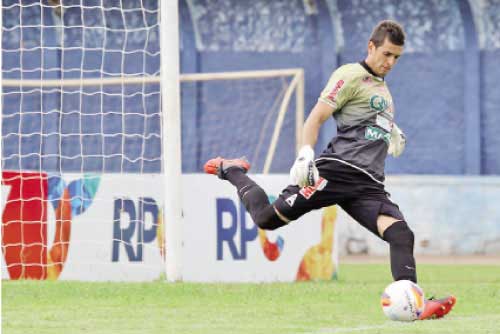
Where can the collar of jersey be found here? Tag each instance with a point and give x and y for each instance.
(369, 70)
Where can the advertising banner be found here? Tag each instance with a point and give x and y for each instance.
(81, 227)
(111, 228)
(221, 242)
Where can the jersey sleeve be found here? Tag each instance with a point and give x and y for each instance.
(338, 90)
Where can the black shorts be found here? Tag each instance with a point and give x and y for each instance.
(354, 191)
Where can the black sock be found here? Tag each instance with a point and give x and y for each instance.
(255, 200)
(251, 194)
(401, 241)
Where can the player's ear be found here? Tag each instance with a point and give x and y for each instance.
(371, 47)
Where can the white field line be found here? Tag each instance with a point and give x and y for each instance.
(400, 325)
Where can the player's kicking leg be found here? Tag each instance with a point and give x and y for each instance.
(219, 166)
(251, 194)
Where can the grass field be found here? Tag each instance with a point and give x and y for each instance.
(350, 305)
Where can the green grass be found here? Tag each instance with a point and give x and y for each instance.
(350, 305)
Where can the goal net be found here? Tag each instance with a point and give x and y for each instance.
(84, 136)
(82, 193)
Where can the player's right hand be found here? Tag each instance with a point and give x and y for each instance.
(304, 172)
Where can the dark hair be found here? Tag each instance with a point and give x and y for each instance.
(388, 29)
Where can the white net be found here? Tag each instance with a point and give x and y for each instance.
(81, 151)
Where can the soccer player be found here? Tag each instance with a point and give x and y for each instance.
(350, 171)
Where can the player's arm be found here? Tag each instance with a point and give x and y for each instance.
(336, 93)
(319, 114)
(304, 172)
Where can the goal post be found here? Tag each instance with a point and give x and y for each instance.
(172, 159)
(294, 78)
(91, 136)
(295, 86)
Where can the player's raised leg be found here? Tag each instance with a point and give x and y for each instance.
(219, 166)
(251, 194)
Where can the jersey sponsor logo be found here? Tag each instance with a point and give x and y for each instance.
(373, 133)
(307, 192)
(378, 103)
(291, 200)
(335, 90)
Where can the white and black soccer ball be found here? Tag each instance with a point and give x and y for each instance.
(403, 301)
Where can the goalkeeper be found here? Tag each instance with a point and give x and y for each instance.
(350, 171)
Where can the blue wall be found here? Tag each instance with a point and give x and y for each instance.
(444, 87)
(490, 115)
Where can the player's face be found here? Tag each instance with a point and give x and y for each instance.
(383, 58)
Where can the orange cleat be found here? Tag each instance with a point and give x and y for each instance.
(219, 166)
(437, 308)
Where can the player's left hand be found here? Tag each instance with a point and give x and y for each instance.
(304, 172)
(397, 142)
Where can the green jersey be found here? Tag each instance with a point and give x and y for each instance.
(364, 113)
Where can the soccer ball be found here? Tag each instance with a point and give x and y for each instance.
(403, 301)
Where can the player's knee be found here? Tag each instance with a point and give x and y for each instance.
(399, 234)
(267, 219)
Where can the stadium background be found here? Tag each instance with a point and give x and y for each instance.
(444, 87)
